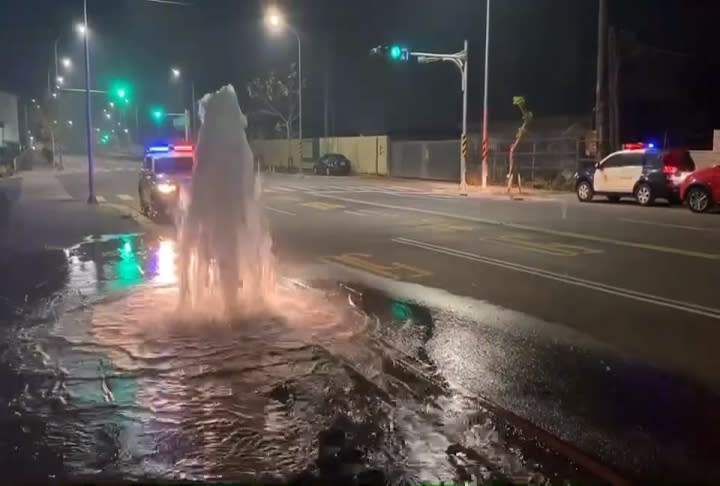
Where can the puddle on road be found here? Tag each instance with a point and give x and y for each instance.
(105, 381)
(101, 379)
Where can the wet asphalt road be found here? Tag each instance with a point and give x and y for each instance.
(594, 322)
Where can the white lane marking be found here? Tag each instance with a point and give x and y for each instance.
(579, 282)
(125, 197)
(281, 211)
(280, 188)
(268, 190)
(668, 225)
(356, 213)
(100, 199)
(535, 229)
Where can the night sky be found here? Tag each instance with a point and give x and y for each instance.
(542, 49)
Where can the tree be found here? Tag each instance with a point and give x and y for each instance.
(276, 97)
(527, 117)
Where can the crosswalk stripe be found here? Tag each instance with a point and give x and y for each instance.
(124, 197)
(286, 189)
(100, 199)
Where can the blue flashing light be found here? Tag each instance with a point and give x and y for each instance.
(651, 145)
(158, 148)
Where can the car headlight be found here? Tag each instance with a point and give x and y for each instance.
(166, 188)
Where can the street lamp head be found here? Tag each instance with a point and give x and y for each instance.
(112, 104)
(274, 19)
(175, 72)
(80, 28)
(54, 95)
(70, 122)
(66, 62)
(60, 80)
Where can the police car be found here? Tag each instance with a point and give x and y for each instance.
(166, 168)
(639, 171)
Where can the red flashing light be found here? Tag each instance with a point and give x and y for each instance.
(183, 148)
(670, 169)
(633, 146)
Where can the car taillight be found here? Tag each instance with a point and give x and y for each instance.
(670, 169)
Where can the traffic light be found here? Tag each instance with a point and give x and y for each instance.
(393, 52)
(397, 53)
(120, 91)
(157, 113)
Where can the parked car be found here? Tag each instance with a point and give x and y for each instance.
(332, 164)
(701, 189)
(637, 171)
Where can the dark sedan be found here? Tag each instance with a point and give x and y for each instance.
(332, 164)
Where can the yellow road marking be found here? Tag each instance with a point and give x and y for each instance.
(536, 229)
(322, 206)
(444, 226)
(283, 197)
(526, 242)
(364, 261)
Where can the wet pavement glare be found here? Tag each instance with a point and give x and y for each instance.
(102, 379)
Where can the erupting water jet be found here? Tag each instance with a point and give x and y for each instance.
(224, 244)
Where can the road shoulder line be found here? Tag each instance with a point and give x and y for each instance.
(567, 279)
(535, 229)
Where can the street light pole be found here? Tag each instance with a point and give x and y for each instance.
(300, 106)
(194, 109)
(88, 114)
(485, 140)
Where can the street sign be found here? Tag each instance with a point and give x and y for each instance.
(179, 122)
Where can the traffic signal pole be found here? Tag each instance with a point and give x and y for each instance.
(460, 59)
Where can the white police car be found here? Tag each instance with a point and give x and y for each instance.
(639, 171)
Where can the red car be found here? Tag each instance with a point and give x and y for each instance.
(701, 189)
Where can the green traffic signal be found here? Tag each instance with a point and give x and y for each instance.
(120, 91)
(398, 53)
(395, 52)
(157, 113)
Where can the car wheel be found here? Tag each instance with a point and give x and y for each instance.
(584, 191)
(143, 206)
(698, 199)
(644, 194)
(614, 199)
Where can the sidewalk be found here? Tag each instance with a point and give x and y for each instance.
(453, 188)
(37, 212)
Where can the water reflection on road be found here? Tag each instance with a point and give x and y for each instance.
(110, 382)
(101, 378)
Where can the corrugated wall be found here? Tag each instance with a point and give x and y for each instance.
(367, 155)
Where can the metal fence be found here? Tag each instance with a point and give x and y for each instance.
(542, 162)
(438, 160)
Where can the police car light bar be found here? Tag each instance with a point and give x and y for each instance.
(183, 148)
(158, 148)
(633, 146)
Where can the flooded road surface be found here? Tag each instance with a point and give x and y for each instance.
(102, 379)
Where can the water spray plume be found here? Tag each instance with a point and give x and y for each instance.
(224, 246)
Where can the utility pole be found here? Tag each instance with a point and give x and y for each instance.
(600, 91)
